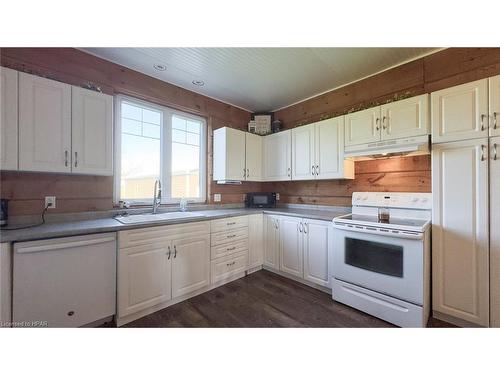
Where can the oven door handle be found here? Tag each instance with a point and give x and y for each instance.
(380, 231)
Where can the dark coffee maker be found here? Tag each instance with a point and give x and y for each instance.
(4, 208)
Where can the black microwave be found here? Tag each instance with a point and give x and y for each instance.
(260, 200)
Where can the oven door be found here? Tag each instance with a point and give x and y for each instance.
(387, 264)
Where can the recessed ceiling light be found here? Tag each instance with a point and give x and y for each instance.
(198, 83)
(160, 67)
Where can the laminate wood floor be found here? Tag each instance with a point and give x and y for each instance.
(261, 299)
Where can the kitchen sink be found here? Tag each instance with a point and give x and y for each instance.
(148, 218)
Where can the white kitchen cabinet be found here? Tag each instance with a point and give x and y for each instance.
(253, 157)
(495, 232)
(291, 245)
(255, 240)
(271, 241)
(362, 127)
(278, 156)
(237, 155)
(65, 282)
(460, 230)
(190, 264)
(44, 124)
(316, 242)
(460, 112)
(8, 119)
(406, 118)
(303, 155)
(144, 276)
(494, 105)
(91, 132)
(5, 282)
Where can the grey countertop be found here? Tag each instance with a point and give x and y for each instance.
(108, 224)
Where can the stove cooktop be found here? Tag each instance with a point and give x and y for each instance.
(418, 225)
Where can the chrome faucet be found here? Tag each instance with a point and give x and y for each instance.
(157, 198)
(183, 204)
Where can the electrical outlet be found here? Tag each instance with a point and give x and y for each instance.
(50, 202)
(277, 196)
(217, 198)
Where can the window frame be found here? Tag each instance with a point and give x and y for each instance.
(165, 146)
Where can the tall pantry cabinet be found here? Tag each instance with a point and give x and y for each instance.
(466, 195)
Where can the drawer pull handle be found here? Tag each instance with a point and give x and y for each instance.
(232, 223)
(231, 236)
(175, 251)
(231, 248)
(231, 264)
(169, 252)
(482, 122)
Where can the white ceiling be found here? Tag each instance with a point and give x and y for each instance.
(260, 79)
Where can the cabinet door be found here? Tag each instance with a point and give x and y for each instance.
(190, 264)
(91, 132)
(495, 232)
(271, 241)
(144, 277)
(44, 124)
(316, 251)
(494, 88)
(291, 230)
(253, 157)
(229, 154)
(406, 118)
(460, 230)
(362, 127)
(255, 240)
(460, 112)
(277, 156)
(303, 162)
(8, 119)
(329, 149)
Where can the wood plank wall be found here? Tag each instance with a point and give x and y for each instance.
(440, 70)
(83, 193)
(87, 193)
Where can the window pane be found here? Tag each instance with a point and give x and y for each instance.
(178, 136)
(131, 127)
(185, 171)
(193, 139)
(193, 127)
(131, 112)
(149, 130)
(178, 123)
(153, 117)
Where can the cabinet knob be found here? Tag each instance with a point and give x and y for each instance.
(71, 313)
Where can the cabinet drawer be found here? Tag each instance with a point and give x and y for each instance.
(228, 223)
(229, 248)
(143, 236)
(229, 236)
(229, 266)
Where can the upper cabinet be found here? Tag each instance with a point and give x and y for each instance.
(405, 118)
(460, 112)
(399, 119)
(92, 132)
(237, 155)
(63, 128)
(8, 119)
(494, 99)
(318, 151)
(44, 124)
(278, 156)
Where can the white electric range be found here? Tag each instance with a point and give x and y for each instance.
(383, 267)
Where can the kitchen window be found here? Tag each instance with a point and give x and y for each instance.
(158, 143)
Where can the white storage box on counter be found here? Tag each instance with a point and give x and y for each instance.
(64, 282)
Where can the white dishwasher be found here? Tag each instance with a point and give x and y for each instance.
(64, 282)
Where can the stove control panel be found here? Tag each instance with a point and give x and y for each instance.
(421, 201)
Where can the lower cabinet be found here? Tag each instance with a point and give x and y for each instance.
(299, 246)
(271, 241)
(255, 240)
(190, 264)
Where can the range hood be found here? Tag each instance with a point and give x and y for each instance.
(395, 147)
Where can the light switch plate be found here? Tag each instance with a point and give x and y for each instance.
(217, 198)
(277, 196)
(50, 201)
